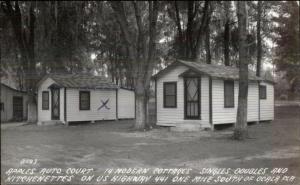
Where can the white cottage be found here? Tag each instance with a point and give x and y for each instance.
(72, 98)
(205, 95)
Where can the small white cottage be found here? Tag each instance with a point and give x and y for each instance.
(206, 95)
(72, 98)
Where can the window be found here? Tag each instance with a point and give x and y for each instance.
(170, 94)
(84, 100)
(2, 106)
(262, 92)
(45, 100)
(228, 93)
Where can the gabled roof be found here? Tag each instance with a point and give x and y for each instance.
(84, 81)
(217, 71)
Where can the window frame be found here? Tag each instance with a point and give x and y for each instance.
(48, 102)
(225, 97)
(164, 94)
(80, 103)
(260, 92)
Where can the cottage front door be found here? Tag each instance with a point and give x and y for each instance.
(18, 108)
(192, 98)
(55, 104)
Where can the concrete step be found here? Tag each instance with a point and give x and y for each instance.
(187, 127)
(50, 123)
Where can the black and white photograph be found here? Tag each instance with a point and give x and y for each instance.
(150, 92)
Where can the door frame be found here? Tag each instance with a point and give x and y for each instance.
(52, 103)
(198, 117)
(13, 109)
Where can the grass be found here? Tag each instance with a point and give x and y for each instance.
(114, 145)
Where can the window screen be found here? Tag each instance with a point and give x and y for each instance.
(262, 92)
(228, 93)
(170, 94)
(84, 100)
(45, 100)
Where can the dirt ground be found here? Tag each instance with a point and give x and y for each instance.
(113, 145)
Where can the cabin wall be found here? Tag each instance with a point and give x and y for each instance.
(126, 104)
(74, 114)
(7, 95)
(222, 115)
(173, 116)
(267, 105)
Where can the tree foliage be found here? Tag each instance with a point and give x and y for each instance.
(286, 37)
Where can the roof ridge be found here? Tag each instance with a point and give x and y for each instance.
(201, 63)
(218, 65)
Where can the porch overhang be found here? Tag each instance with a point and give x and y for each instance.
(55, 86)
(191, 73)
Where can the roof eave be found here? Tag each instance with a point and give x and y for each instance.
(93, 88)
(13, 89)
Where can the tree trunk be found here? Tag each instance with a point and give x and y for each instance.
(180, 34)
(258, 35)
(204, 22)
(142, 65)
(141, 48)
(207, 45)
(189, 30)
(299, 29)
(153, 14)
(240, 131)
(31, 72)
(140, 105)
(227, 34)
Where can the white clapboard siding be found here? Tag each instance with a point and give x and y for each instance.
(74, 114)
(7, 95)
(205, 100)
(253, 95)
(126, 104)
(173, 116)
(222, 115)
(62, 104)
(267, 105)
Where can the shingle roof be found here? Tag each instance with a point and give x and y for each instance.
(217, 71)
(82, 81)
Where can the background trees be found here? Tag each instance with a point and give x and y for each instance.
(129, 41)
(286, 38)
